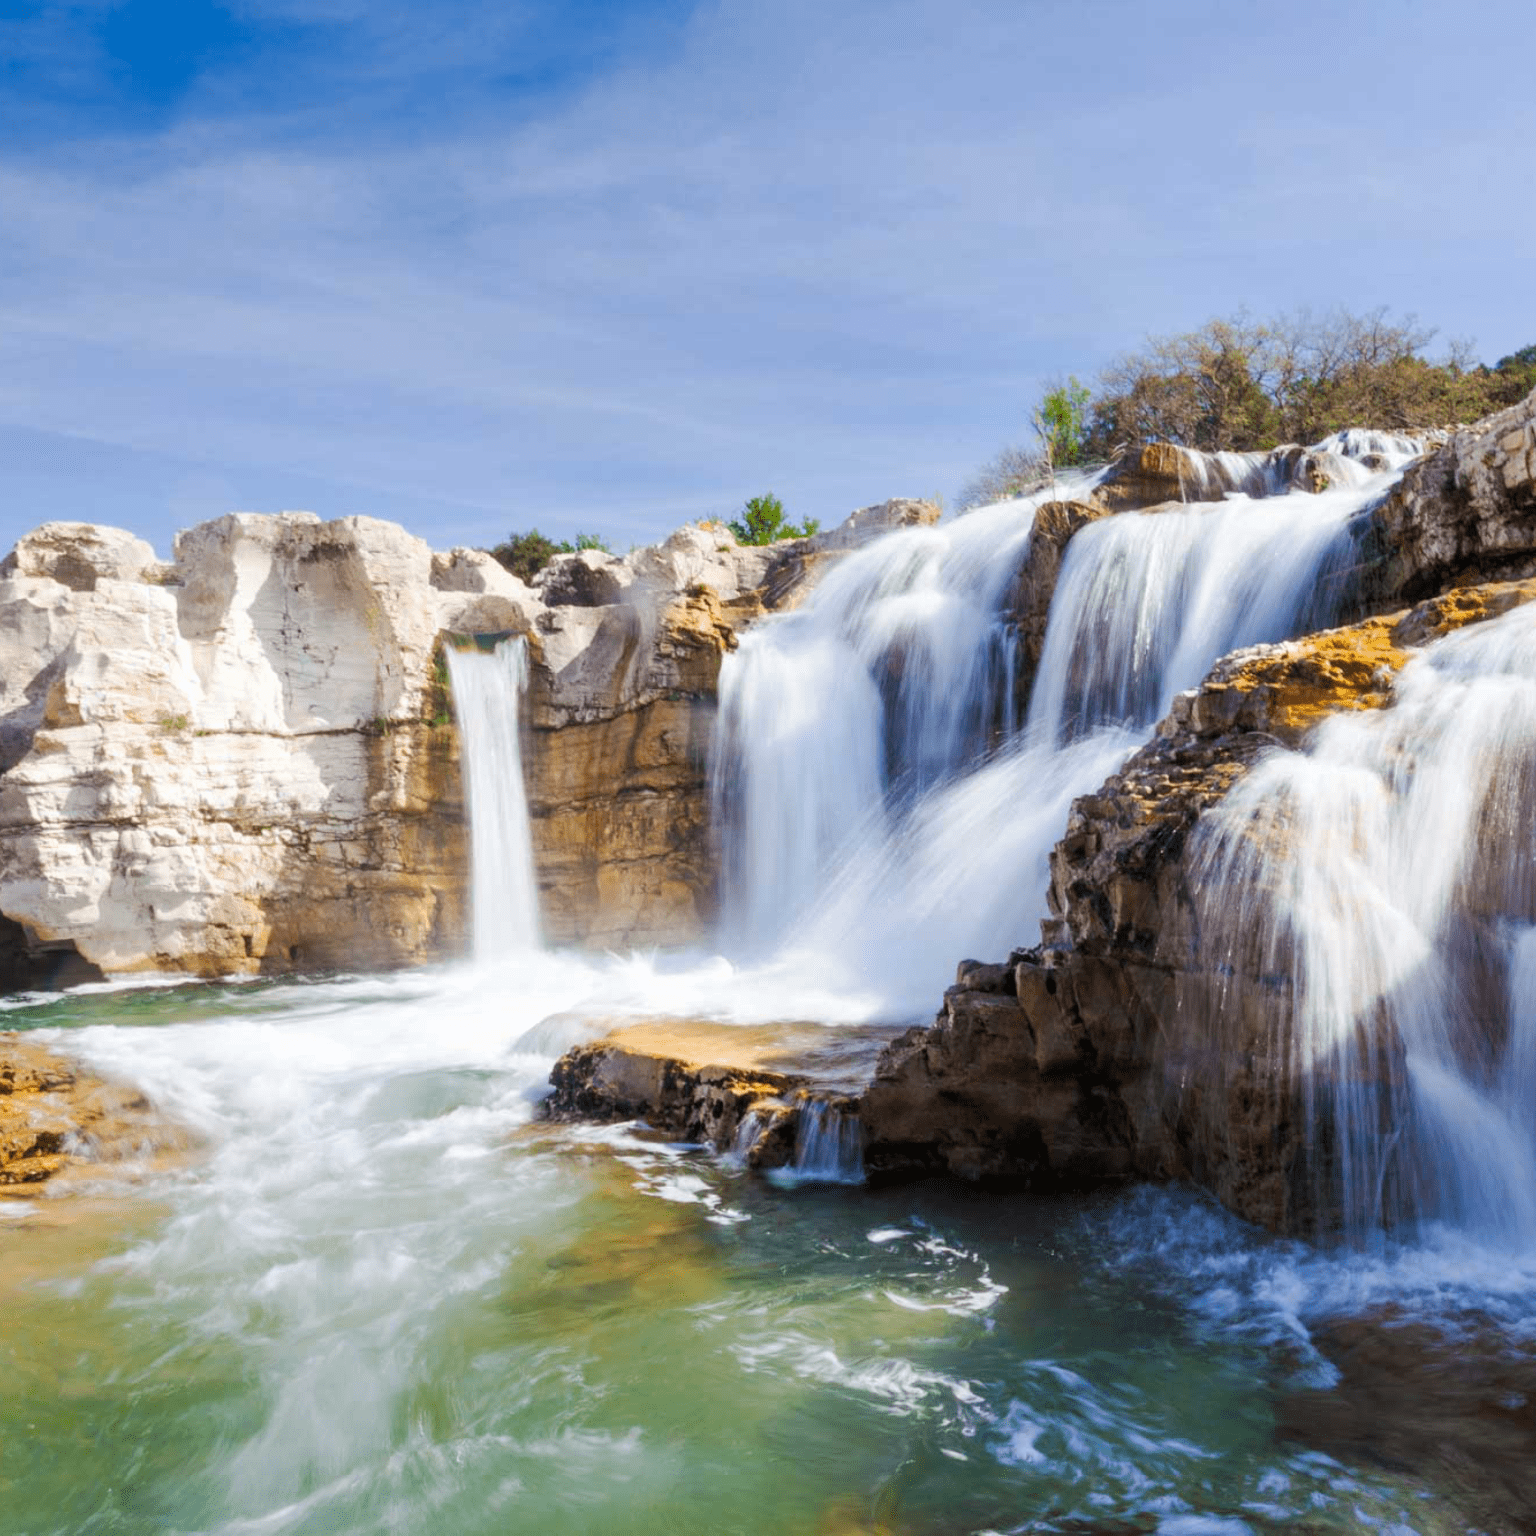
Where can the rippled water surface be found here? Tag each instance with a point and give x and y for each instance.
(382, 1296)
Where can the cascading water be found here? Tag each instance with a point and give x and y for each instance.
(835, 719)
(1378, 890)
(883, 810)
(488, 689)
(1147, 601)
(379, 1298)
(829, 1146)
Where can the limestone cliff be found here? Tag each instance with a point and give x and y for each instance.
(243, 760)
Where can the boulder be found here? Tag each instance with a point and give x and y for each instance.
(78, 555)
(1466, 513)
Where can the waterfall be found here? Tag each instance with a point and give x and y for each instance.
(829, 1144)
(1376, 894)
(836, 719)
(488, 689)
(1147, 601)
(881, 806)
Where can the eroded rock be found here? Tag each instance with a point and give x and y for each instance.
(1465, 513)
(56, 1118)
(729, 1087)
(245, 761)
(1087, 1059)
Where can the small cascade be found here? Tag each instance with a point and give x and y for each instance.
(829, 1143)
(1371, 903)
(1147, 601)
(748, 1133)
(488, 689)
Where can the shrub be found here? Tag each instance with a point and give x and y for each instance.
(762, 522)
(1244, 384)
(1061, 423)
(526, 554)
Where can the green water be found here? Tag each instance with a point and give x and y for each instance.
(383, 1297)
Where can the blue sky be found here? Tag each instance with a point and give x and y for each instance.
(610, 267)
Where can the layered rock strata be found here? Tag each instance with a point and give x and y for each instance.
(243, 760)
(1089, 1057)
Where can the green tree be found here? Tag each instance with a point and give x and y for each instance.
(1061, 423)
(762, 522)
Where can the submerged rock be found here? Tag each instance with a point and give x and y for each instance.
(56, 1118)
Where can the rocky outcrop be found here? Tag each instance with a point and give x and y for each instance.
(57, 1119)
(244, 760)
(626, 660)
(232, 766)
(736, 1088)
(1084, 1059)
(1029, 603)
(1466, 512)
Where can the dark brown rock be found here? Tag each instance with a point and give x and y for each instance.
(1111, 1052)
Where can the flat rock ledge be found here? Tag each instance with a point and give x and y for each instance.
(733, 1088)
(59, 1121)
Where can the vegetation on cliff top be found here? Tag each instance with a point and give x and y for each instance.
(1246, 384)
(762, 521)
(526, 554)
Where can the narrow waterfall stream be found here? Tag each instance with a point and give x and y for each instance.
(381, 1295)
(488, 689)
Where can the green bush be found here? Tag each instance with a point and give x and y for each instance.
(762, 522)
(526, 554)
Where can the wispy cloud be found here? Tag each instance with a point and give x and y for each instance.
(476, 263)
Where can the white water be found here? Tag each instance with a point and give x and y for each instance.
(488, 689)
(1383, 882)
(884, 810)
(829, 1146)
(1147, 601)
(382, 1306)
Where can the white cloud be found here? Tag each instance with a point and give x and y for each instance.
(830, 250)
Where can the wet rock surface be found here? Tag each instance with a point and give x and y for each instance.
(1084, 1060)
(728, 1087)
(57, 1120)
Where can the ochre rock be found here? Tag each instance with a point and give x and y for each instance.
(56, 1118)
(693, 1080)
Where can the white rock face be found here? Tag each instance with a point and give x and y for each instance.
(242, 761)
